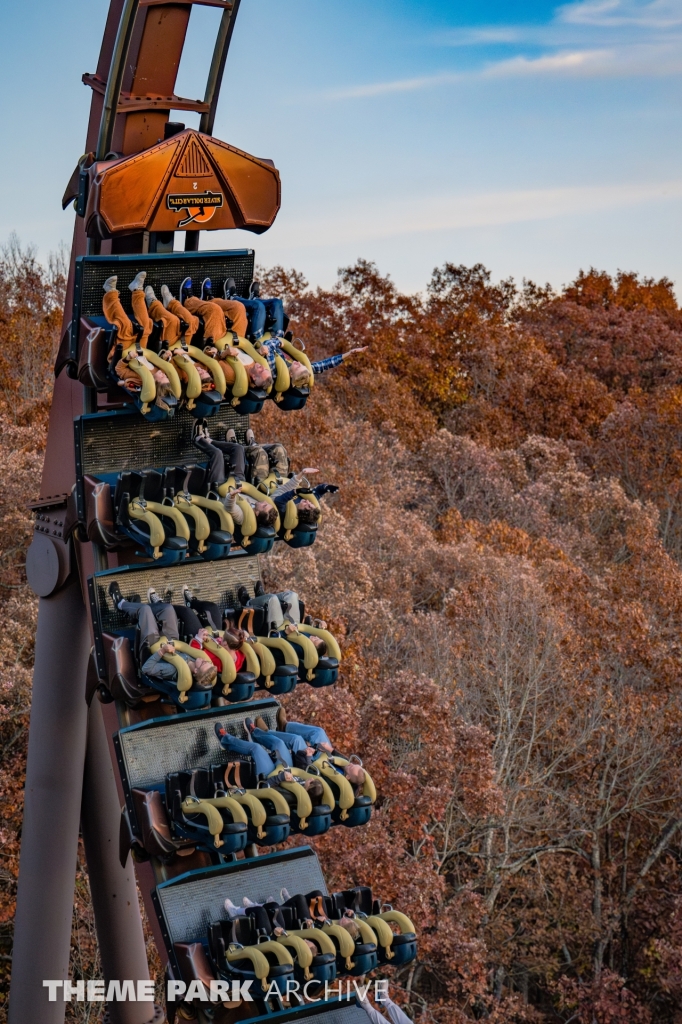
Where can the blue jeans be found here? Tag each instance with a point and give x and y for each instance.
(264, 314)
(262, 759)
(312, 734)
(273, 741)
(290, 740)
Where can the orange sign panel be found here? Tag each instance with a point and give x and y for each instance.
(191, 181)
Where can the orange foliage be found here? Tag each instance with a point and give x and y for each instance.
(502, 565)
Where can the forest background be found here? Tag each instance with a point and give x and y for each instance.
(503, 563)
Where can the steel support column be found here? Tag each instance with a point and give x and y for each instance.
(113, 888)
(52, 808)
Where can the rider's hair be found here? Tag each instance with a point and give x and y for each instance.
(209, 674)
(309, 516)
(267, 517)
(234, 638)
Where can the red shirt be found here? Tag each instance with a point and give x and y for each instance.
(239, 657)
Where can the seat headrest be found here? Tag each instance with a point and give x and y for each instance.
(152, 485)
(197, 479)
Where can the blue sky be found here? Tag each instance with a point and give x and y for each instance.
(536, 139)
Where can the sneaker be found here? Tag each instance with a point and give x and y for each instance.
(166, 296)
(250, 436)
(229, 288)
(197, 430)
(232, 911)
(115, 594)
(185, 289)
(249, 726)
(231, 436)
(220, 730)
(206, 290)
(137, 283)
(110, 284)
(243, 596)
(281, 719)
(187, 596)
(254, 290)
(153, 597)
(258, 589)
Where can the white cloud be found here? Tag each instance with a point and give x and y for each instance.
(396, 218)
(588, 38)
(399, 85)
(657, 14)
(643, 60)
(581, 62)
(557, 63)
(480, 36)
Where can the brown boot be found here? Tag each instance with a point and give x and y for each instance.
(281, 719)
(260, 723)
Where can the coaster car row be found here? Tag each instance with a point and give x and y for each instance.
(148, 359)
(225, 807)
(271, 660)
(172, 514)
(303, 938)
(193, 782)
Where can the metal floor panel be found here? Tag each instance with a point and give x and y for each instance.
(161, 268)
(209, 581)
(113, 443)
(344, 1013)
(189, 904)
(180, 742)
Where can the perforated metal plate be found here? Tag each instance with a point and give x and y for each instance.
(339, 1012)
(332, 1012)
(188, 904)
(162, 268)
(209, 581)
(148, 752)
(115, 442)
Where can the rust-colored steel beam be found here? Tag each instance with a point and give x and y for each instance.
(115, 78)
(215, 74)
(155, 73)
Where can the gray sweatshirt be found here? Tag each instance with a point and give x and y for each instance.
(156, 668)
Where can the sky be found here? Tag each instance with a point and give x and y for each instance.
(533, 138)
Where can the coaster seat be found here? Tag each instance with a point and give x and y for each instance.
(267, 811)
(215, 822)
(395, 931)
